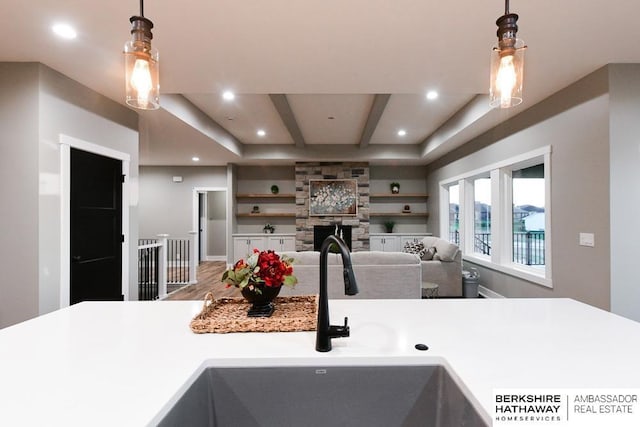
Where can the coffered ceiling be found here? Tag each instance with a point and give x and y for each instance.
(325, 80)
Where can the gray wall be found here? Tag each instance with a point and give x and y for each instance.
(19, 191)
(624, 145)
(167, 206)
(575, 123)
(68, 108)
(39, 104)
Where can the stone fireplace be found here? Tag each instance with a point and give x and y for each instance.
(359, 223)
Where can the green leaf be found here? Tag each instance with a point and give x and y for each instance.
(290, 281)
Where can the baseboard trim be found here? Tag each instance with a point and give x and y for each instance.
(216, 257)
(488, 293)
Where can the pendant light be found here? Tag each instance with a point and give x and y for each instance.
(507, 63)
(141, 65)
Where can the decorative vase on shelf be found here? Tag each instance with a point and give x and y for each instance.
(395, 187)
(261, 303)
(268, 228)
(274, 189)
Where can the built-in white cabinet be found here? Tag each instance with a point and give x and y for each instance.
(282, 243)
(244, 245)
(393, 242)
(384, 243)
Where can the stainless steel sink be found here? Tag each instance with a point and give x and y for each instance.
(384, 396)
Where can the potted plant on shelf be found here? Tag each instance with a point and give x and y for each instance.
(268, 228)
(395, 187)
(388, 226)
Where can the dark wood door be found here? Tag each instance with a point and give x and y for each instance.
(96, 227)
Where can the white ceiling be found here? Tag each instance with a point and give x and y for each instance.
(326, 59)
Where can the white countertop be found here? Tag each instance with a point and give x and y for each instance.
(120, 363)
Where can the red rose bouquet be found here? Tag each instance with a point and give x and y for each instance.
(261, 268)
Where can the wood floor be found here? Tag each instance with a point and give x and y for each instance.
(208, 275)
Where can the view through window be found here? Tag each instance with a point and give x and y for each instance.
(482, 215)
(454, 214)
(529, 215)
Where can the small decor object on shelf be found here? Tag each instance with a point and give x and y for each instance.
(260, 278)
(388, 226)
(268, 228)
(406, 209)
(395, 187)
(256, 209)
(274, 189)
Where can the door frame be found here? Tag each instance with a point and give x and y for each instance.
(66, 143)
(202, 225)
(196, 214)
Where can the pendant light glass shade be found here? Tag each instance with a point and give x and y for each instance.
(507, 73)
(507, 63)
(141, 67)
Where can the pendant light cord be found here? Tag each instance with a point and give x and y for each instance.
(142, 8)
(506, 6)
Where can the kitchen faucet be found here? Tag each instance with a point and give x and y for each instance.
(324, 331)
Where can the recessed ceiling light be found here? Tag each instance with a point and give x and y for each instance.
(431, 95)
(402, 132)
(228, 95)
(195, 159)
(261, 132)
(65, 31)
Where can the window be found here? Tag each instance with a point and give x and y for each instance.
(499, 215)
(482, 216)
(454, 214)
(529, 221)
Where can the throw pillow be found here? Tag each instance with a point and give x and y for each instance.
(428, 254)
(446, 251)
(414, 248)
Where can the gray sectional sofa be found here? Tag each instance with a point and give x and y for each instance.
(389, 275)
(445, 268)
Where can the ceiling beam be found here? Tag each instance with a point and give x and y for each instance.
(475, 117)
(393, 154)
(377, 108)
(183, 109)
(279, 101)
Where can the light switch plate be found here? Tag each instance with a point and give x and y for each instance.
(587, 239)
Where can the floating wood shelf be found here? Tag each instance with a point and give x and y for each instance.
(398, 196)
(402, 214)
(267, 215)
(265, 196)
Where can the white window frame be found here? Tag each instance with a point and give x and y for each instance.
(501, 258)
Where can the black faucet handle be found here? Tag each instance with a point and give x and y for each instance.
(339, 331)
